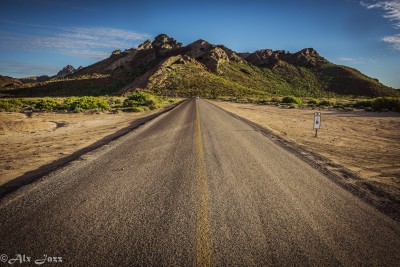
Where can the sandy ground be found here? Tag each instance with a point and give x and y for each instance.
(367, 143)
(28, 143)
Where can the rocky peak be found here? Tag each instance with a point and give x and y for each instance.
(263, 57)
(116, 52)
(146, 45)
(309, 51)
(307, 57)
(164, 42)
(267, 57)
(233, 56)
(208, 54)
(67, 70)
(162, 39)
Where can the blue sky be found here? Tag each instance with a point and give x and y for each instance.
(42, 36)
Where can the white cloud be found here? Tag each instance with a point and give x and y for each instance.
(22, 69)
(90, 54)
(350, 60)
(393, 41)
(84, 42)
(392, 13)
(391, 8)
(109, 33)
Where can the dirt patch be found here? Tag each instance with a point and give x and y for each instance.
(29, 142)
(367, 143)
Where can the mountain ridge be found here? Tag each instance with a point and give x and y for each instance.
(166, 66)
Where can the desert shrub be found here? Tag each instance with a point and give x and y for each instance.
(85, 102)
(117, 101)
(263, 101)
(139, 109)
(363, 103)
(137, 99)
(142, 99)
(136, 109)
(291, 99)
(386, 103)
(5, 105)
(327, 103)
(313, 101)
(15, 103)
(47, 104)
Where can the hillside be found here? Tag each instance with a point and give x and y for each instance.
(6, 82)
(167, 67)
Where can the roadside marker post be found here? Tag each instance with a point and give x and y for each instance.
(317, 122)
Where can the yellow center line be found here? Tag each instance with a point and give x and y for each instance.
(203, 233)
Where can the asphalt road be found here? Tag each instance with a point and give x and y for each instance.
(193, 187)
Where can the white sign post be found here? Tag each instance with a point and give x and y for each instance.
(317, 122)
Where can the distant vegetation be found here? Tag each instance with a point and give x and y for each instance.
(137, 102)
(292, 99)
(142, 101)
(380, 104)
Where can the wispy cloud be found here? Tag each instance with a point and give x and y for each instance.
(393, 41)
(391, 10)
(77, 5)
(85, 42)
(22, 69)
(90, 54)
(350, 60)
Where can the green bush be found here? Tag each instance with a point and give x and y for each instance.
(137, 99)
(85, 102)
(366, 103)
(313, 101)
(15, 103)
(139, 109)
(47, 104)
(142, 99)
(327, 103)
(386, 103)
(5, 105)
(291, 99)
(263, 101)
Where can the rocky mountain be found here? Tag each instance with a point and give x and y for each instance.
(10, 82)
(307, 57)
(67, 70)
(35, 79)
(165, 66)
(6, 81)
